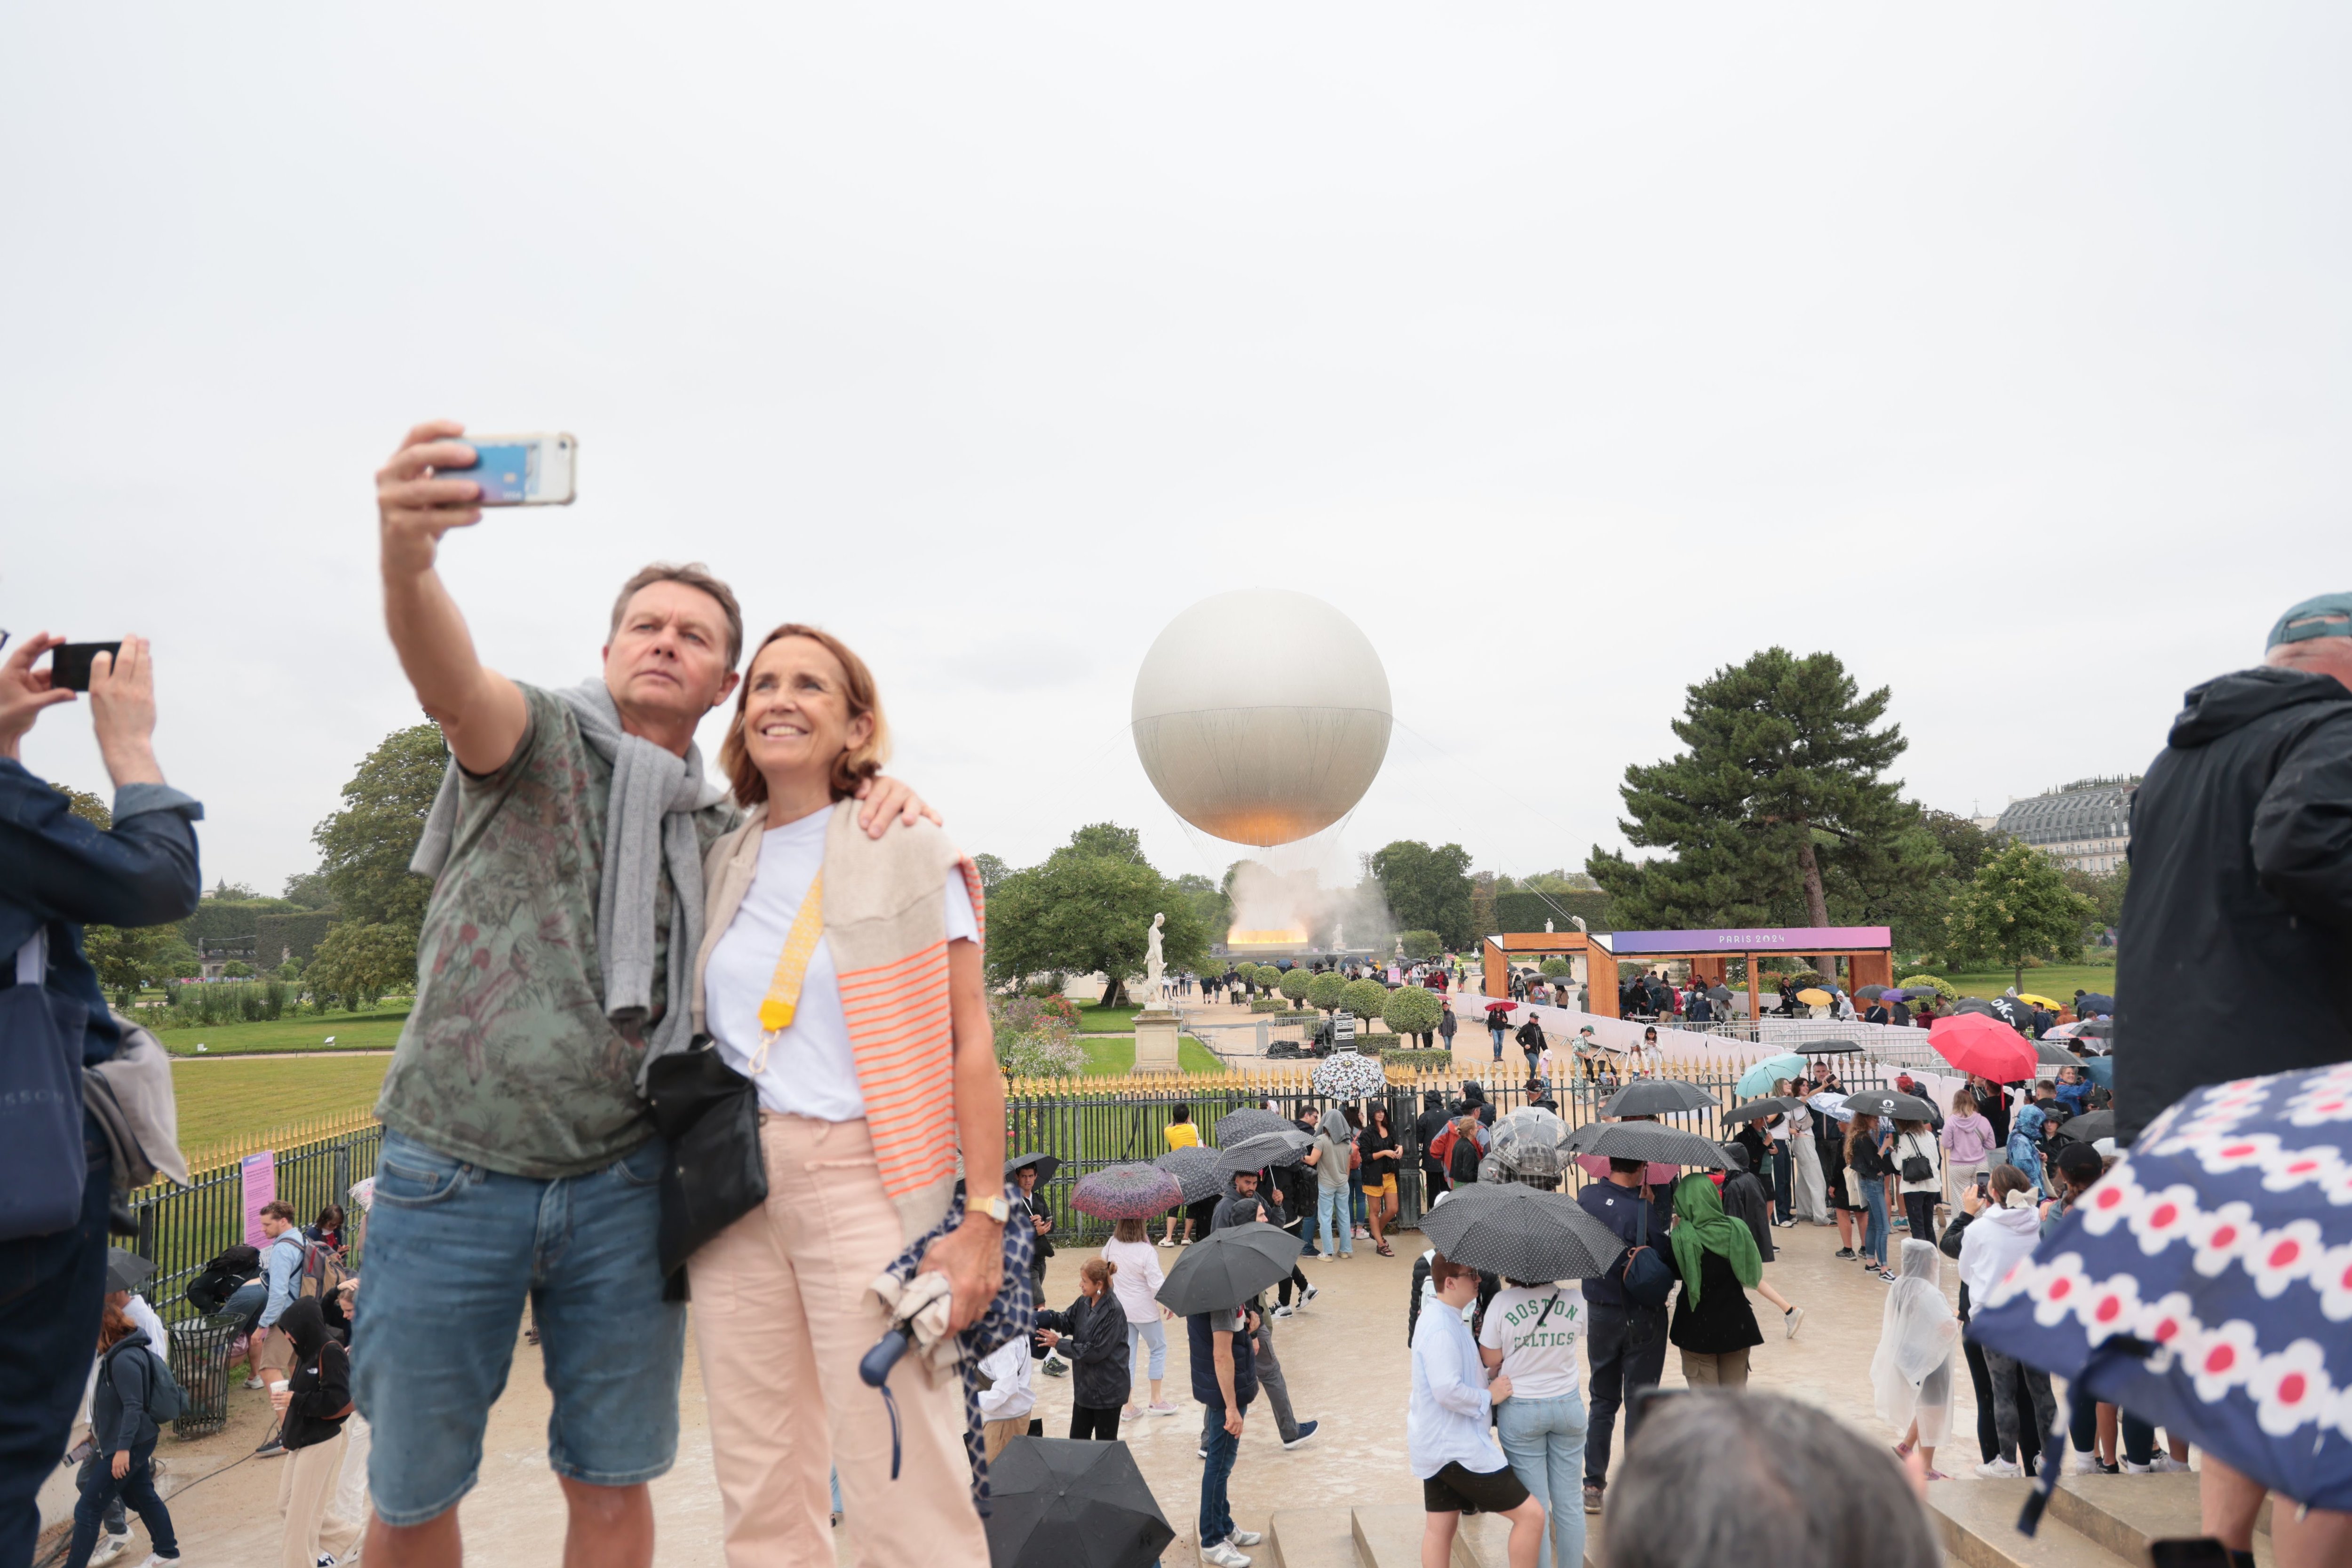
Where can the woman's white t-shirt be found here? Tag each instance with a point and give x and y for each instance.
(1538, 1346)
(811, 1069)
(1137, 1283)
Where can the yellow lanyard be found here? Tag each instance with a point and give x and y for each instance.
(783, 998)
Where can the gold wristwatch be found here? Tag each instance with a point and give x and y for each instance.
(995, 1208)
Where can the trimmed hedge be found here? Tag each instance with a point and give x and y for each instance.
(1400, 1055)
(1269, 1005)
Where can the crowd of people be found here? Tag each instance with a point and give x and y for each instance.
(606, 926)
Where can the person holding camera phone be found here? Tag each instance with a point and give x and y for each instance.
(58, 874)
(555, 962)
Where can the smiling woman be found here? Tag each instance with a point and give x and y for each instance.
(841, 974)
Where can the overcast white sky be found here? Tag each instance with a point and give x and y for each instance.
(1571, 352)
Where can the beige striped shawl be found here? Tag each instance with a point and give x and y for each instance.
(886, 925)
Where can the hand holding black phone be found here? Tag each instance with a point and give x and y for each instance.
(70, 663)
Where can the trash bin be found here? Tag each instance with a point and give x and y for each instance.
(200, 1366)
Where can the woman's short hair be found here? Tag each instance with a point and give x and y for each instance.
(863, 700)
(2008, 1179)
(1719, 1477)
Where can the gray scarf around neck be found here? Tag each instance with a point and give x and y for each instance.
(648, 823)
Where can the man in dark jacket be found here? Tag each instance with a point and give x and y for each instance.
(2239, 908)
(1426, 1126)
(58, 874)
(1626, 1341)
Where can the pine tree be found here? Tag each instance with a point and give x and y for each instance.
(1777, 806)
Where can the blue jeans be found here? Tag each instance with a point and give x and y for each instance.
(248, 1301)
(51, 1290)
(1152, 1333)
(1544, 1440)
(99, 1489)
(1216, 1512)
(1331, 1220)
(1873, 1233)
(1498, 1042)
(453, 1251)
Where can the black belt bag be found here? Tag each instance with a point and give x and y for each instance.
(716, 1172)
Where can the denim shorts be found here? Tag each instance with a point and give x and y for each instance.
(453, 1251)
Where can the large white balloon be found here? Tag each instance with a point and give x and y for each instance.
(1261, 715)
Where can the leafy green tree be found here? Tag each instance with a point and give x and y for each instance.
(1421, 946)
(1214, 910)
(1410, 1009)
(86, 805)
(232, 892)
(1086, 908)
(1324, 990)
(1555, 967)
(127, 962)
(364, 848)
(2105, 889)
(236, 969)
(1294, 984)
(360, 962)
(1365, 998)
(1483, 919)
(1426, 888)
(2017, 908)
(1778, 793)
(308, 890)
(991, 871)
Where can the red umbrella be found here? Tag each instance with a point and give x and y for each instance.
(1500, 1006)
(1981, 1044)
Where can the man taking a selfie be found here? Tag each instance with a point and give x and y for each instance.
(553, 965)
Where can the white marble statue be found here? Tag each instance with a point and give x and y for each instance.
(1155, 965)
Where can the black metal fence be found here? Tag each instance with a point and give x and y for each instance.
(1087, 1132)
(181, 1229)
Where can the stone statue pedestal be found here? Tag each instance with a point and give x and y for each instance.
(1155, 1039)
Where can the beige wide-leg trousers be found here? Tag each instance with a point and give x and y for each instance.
(782, 1317)
(306, 1494)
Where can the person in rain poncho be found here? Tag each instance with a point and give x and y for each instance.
(2026, 1147)
(1718, 1262)
(1911, 1375)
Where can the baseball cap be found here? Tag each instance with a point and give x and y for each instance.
(2328, 616)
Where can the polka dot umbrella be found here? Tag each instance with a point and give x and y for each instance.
(1127, 1191)
(2205, 1282)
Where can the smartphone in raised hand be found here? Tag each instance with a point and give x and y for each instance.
(70, 663)
(521, 470)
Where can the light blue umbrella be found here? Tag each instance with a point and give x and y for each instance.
(1760, 1078)
(2102, 1070)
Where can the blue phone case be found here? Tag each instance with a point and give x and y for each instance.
(508, 474)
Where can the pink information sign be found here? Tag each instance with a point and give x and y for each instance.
(259, 1173)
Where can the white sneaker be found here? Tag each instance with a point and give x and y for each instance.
(109, 1547)
(1312, 1291)
(2000, 1469)
(1223, 1555)
(1793, 1319)
(1166, 1241)
(2131, 1469)
(253, 1383)
(1286, 1310)
(2167, 1465)
(157, 1559)
(1245, 1538)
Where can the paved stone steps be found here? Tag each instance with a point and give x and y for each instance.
(1387, 1536)
(2093, 1521)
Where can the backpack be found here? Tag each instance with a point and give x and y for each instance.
(1461, 1162)
(166, 1399)
(322, 1273)
(211, 1290)
(1648, 1277)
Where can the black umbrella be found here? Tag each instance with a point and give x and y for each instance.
(1658, 1097)
(2051, 1053)
(1196, 1169)
(1718, 992)
(1227, 1268)
(1266, 1149)
(1870, 992)
(1976, 1005)
(1248, 1122)
(1644, 1140)
(126, 1270)
(1761, 1110)
(2094, 1002)
(1886, 1102)
(2098, 1029)
(1046, 1164)
(1521, 1233)
(1828, 1048)
(1055, 1501)
(2089, 1127)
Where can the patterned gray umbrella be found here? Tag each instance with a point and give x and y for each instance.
(1349, 1075)
(1196, 1169)
(1658, 1097)
(1248, 1122)
(1256, 1153)
(1645, 1140)
(1520, 1233)
(1126, 1191)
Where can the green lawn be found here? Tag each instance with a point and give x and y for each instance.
(2059, 981)
(376, 1031)
(1094, 1018)
(1115, 1053)
(241, 1097)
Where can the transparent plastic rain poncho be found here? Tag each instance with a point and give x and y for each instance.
(1527, 1148)
(1911, 1375)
